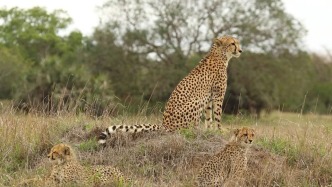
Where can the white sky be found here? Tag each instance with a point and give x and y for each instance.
(315, 15)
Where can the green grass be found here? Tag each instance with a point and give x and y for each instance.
(281, 147)
(189, 134)
(88, 145)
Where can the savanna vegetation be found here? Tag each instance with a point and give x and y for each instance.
(63, 86)
(289, 150)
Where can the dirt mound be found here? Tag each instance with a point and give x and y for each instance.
(163, 159)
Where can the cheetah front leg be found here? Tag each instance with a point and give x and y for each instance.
(217, 110)
(214, 105)
(218, 93)
(208, 114)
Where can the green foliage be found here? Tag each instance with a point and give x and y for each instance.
(34, 31)
(52, 76)
(89, 145)
(89, 127)
(13, 73)
(189, 134)
(265, 82)
(105, 57)
(282, 147)
(137, 59)
(320, 97)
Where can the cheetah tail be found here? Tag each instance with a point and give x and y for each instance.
(126, 128)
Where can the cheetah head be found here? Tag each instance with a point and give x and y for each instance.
(244, 135)
(230, 45)
(61, 153)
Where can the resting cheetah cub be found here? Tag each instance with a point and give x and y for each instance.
(228, 166)
(67, 171)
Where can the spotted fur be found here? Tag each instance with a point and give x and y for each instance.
(203, 89)
(227, 167)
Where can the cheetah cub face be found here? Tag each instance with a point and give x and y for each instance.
(61, 153)
(244, 136)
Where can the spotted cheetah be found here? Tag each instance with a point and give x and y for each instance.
(203, 88)
(227, 167)
(66, 170)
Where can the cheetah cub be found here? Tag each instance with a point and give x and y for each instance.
(67, 171)
(228, 166)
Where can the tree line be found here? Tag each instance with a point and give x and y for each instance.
(142, 49)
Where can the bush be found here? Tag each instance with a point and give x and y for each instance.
(13, 73)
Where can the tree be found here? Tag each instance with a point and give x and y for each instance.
(122, 67)
(34, 31)
(13, 72)
(57, 78)
(173, 35)
(186, 27)
(260, 82)
(320, 97)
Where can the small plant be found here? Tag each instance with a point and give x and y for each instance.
(89, 127)
(189, 133)
(122, 183)
(89, 145)
(281, 146)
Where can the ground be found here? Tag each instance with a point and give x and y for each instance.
(289, 150)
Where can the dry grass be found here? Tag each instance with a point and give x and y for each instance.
(290, 150)
(305, 142)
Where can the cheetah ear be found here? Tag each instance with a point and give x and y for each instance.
(236, 132)
(67, 150)
(217, 42)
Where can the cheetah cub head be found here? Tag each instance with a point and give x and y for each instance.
(229, 45)
(61, 153)
(244, 136)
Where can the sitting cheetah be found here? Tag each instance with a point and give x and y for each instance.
(228, 166)
(68, 171)
(203, 88)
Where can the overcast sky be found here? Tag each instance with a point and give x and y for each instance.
(314, 14)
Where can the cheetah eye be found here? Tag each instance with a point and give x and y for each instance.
(233, 43)
(245, 134)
